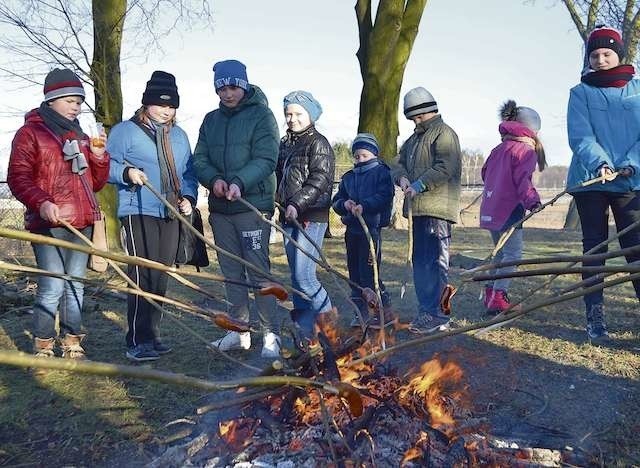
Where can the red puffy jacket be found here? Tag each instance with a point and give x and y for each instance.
(38, 173)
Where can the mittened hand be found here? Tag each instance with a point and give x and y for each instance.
(136, 176)
(348, 205)
(535, 208)
(404, 183)
(357, 210)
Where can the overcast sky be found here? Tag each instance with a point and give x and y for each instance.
(471, 55)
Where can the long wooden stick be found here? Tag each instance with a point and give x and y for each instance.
(318, 261)
(19, 359)
(507, 234)
(376, 278)
(128, 259)
(408, 267)
(496, 321)
(554, 259)
(211, 244)
(557, 271)
(208, 313)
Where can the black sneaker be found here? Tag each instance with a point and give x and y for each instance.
(596, 327)
(424, 324)
(161, 348)
(142, 352)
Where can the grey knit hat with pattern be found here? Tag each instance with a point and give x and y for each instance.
(419, 101)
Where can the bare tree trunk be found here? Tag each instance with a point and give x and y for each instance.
(108, 22)
(384, 50)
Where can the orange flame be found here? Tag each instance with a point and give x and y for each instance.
(427, 387)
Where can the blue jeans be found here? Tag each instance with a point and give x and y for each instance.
(303, 274)
(511, 250)
(57, 294)
(431, 240)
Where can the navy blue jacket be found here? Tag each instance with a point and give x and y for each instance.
(368, 184)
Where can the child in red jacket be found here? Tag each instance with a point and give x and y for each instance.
(54, 170)
(509, 192)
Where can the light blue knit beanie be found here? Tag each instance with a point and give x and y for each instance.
(307, 101)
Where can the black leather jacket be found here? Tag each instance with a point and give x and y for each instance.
(305, 171)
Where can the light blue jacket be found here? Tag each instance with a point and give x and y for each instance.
(128, 142)
(604, 128)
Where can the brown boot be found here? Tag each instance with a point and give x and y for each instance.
(71, 348)
(43, 347)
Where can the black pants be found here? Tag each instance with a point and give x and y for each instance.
(360, 265)
(154, 239)
(593, 208)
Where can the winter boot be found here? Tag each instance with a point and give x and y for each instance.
(499, 302)
(71, 348)
(43, 347)
(596, 327)
(488, 294)
(364, 312)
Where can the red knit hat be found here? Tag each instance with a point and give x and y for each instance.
(605, 38)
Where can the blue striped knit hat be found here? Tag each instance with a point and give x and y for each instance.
(365, 141)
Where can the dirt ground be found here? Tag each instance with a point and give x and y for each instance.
(537, 381)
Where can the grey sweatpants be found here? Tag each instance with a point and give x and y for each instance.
(247, 236)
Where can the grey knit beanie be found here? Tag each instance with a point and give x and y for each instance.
(419, 101)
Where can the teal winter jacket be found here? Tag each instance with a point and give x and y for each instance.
(239, 146)
(604, 128)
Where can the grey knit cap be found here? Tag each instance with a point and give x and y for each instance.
(529, 117)
(419, 101)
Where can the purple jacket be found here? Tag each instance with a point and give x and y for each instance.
(507, 177)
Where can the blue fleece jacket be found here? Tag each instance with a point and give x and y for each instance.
(604, 128)
(128, 142)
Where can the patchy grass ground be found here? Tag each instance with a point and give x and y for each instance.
(536, 379)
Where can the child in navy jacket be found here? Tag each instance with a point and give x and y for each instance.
(368, 190)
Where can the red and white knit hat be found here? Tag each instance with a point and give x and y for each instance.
(61, 82)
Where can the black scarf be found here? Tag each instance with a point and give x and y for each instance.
(70, 133)
(616, 77)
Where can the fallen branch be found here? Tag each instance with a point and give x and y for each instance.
(19, 359)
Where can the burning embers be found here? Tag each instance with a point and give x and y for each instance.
(375, 413)
(366, 414)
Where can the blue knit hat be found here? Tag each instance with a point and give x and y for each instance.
(365, 141)
(230, 73)
(307, 101)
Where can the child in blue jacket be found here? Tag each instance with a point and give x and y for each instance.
(368, 190)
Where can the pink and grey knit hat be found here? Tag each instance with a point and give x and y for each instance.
(61, 82)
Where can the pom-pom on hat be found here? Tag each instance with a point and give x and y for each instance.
(605, 38)
(230, 73)
(161, 90)
(307, 101)
(419, 101)
(525, 115)
(365, 141)
(61, 82)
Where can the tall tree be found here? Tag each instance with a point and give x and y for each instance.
(62, 33)
(385, 47)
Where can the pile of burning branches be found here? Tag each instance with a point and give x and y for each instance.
(366, 414)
